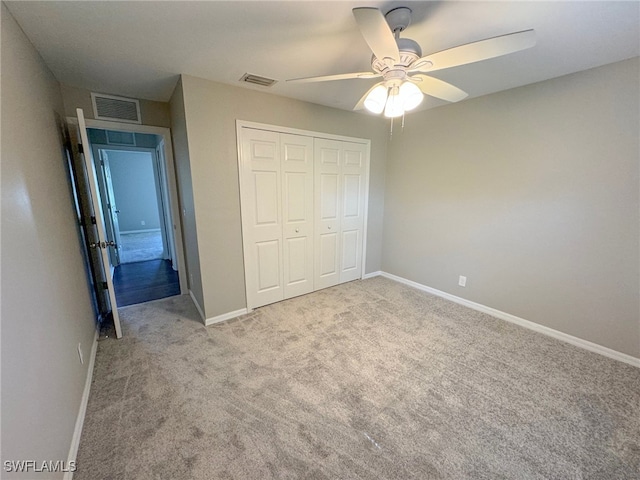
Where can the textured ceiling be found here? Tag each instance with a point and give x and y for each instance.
(138, 49)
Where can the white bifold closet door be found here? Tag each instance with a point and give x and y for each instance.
(340, 195)
(277, 215)
(297, 212)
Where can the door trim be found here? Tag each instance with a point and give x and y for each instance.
(240, 124)
(165, 133)
(297, 131)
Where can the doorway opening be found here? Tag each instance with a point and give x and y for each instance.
(132, 180)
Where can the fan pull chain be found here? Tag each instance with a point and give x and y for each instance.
(402, 127)
(391, 131)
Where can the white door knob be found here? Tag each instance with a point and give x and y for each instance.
(297, 230)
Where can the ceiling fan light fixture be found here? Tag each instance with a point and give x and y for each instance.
(376, 99)
(394, 107)
(410, 96)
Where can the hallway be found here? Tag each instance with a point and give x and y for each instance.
(145, 281)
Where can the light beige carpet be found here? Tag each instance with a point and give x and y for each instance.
(141, 246)
(370, 379)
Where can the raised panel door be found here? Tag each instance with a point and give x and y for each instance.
(262, 216)
(353, 183)
(297, 213)
(328, 200)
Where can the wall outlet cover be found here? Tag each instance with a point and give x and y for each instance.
(462, 281)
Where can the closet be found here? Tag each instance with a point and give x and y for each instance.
(303, 204)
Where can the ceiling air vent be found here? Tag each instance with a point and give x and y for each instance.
(116, 109)
(257, 80)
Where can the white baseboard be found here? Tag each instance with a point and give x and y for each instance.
(219, 318)
(371, 275)
(77, 432)
(578, 342)
(198, 307)
(225, 316)
(145, 230)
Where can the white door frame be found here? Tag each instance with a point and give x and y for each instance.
(165, 133)
(240, 124)
(157, 179)
(163, 183)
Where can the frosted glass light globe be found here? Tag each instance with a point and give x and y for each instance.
(410, 95)
(376, 99)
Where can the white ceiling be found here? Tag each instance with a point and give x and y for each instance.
(138, 49)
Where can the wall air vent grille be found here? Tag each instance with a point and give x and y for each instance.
(115, 109)
(121, 138)
(257, 80)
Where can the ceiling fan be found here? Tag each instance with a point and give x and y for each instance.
(400, 63)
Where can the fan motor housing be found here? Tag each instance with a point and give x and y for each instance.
(410, 51)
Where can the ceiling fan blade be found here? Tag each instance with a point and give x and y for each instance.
(475, 52)
(439, 89)
(341, 76)
(360, 104)
(377, 34)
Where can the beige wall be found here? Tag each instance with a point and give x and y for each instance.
(153, 113)
(46, 308)
(211, 113)
(185, 193)
(532, 194)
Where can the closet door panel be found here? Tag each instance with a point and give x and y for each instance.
(265, 187)
(261, 216)
(328, 200)
(268, 265)
(296, 256)
(329, 197)
(328, 262)
(297, 213)
(350, 251)
(353, 183)
(303, 208)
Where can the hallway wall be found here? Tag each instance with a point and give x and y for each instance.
(134, 186)
(46, 306)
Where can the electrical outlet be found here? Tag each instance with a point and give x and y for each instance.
(142, 222)
(462, 281)
(80, 353)
(190, 279)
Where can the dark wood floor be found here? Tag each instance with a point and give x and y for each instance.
(144, 281)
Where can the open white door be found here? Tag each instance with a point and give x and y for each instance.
(111, 205)
(103, 242)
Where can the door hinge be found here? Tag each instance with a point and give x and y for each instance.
(80, 148)
(104, 285)
(93, 219)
